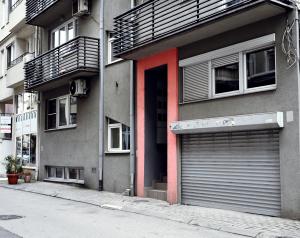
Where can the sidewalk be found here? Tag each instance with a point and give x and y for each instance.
(216, 219)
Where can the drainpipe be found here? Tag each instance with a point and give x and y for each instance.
(101, 95)
(132, 125)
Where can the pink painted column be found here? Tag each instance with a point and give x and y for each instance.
(169, 58)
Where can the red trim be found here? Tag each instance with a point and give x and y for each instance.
(169, 58)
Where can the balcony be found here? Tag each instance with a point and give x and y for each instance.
(44, 12)
(174, 23)
(76, 58)
(15, 70)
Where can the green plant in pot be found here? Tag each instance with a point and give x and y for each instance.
(13, 169)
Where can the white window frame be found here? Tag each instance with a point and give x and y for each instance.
(262, 88)
(110, 41)
(110, 127)
(242, 49)
(68, 125)
(65, 25)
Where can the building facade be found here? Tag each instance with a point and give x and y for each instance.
(65, 75)
(17, 45)
(217, 102)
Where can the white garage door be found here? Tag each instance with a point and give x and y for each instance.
(233, 170)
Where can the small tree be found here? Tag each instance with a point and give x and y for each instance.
(13, 165)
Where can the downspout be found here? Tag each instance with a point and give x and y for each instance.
(101, 96)
(132, 124)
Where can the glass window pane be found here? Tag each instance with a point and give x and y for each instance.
(51, 172)
(125, 137)
(19, 147)
(62, 112)
(227, 78)
(52, 106)
(261, 68)
(72, 173)
(27, 102)
(81, 174)
(55, 39)
(71, 32)
(59, 172)
(62, 36)
(115, 138)
(73, 110)
(51, 122)
(32, 149)
(25, 149)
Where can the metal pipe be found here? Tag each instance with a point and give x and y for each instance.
(132, 125)
(101, 95)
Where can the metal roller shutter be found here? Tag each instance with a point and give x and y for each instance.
(233, 170)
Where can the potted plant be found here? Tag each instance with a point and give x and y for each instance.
(13, 169)
(27, 177)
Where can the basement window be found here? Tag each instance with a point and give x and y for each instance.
(118, 137)
(65, 174)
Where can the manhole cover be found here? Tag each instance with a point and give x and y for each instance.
(9, 217)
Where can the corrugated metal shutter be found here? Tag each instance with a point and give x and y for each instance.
(227, 60)
(233, 170)
(196, 82)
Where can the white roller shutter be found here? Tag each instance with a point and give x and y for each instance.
(233, 170)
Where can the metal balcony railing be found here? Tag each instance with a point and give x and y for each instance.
(16, 61)
(36, 7)
(157, 19)
(78, 55)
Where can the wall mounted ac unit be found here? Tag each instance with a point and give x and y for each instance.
(78, 88)
(28, 57)
(80, 7)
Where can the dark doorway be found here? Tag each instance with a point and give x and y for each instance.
(156, 125)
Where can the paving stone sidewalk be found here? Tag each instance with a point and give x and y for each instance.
(234, 222)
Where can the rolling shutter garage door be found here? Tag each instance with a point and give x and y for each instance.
(233, 170)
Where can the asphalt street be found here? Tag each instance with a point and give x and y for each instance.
(43, 216)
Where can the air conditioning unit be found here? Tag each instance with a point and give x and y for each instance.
(78, 88)
(28, 57)
(80, 7)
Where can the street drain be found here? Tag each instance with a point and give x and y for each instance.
(9, 217)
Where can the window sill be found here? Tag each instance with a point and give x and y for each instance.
(29, 167)
(114, 62)
(61, 128)
(246, 92)
(69, 181)
(118, 152)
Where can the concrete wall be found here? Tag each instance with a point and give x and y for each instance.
(6, 148)
(116, 170)
(76, 147)
(285, 98)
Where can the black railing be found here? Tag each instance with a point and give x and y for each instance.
(157, 19)
(36, 7)
(14, 5)
(79, 54)
(16, 61)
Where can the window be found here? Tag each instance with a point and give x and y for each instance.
(227, 78)
(10, 54)
(26, 102)
(110, 58)
(118, 137)
(26, 149)
(61, 112)
(2, 63)
(261, 68)
(65, 174)
(63, 33)
(243, 68)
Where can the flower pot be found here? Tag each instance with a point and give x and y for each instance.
(27, 178)
(12, 178)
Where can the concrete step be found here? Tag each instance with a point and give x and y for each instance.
(160, 186)
(156, 194)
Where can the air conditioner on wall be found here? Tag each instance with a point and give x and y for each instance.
(80, 7)
(78, 88)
